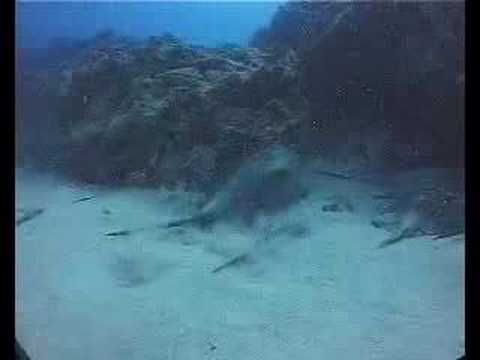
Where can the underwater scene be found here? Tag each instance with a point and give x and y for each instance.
(240, 180)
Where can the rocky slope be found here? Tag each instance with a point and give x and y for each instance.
(167, 112)
(379, 83)
(393, 70)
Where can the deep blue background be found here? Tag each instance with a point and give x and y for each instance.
(205, 23)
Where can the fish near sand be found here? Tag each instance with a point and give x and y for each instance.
(406, 233)
(82, 199)
(235, 261)
(266, 184)
(29, 215)
(434, 213)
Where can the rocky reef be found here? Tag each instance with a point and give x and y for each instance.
(380, 83)
(166, 112)
(388, 70)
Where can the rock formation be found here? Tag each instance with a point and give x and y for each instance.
(389, 70)
(363, 84)
(166, 112)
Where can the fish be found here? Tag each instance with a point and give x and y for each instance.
(235, 261)
(29, 215)
(118, 233)
(433, 212)
(407, 233)
(447, 235)
(82, 199)
(268, 184)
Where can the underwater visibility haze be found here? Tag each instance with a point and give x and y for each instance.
(240, 180)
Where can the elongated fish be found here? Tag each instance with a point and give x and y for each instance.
(267, 184)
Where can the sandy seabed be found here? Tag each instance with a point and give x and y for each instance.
(316, 286)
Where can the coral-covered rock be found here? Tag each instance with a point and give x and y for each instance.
(365, 84)
(385, 67)
(166, 112)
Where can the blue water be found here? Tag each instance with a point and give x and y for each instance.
(204, 23)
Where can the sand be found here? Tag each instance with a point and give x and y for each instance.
(315, 285)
